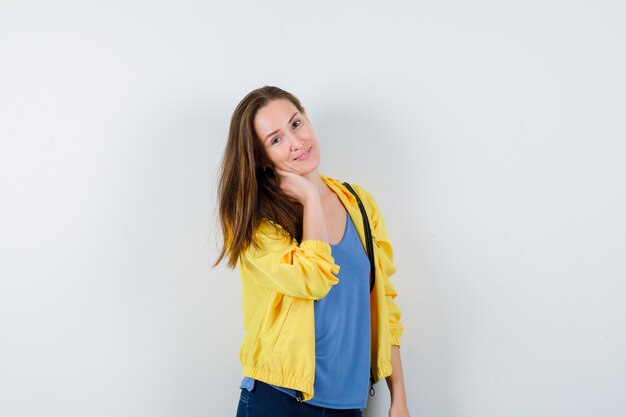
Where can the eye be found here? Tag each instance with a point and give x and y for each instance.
(275, 140)
(296, 123)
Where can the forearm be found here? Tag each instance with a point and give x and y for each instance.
(395, 381)
(313, 221)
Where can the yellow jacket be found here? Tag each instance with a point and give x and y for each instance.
(281, 280)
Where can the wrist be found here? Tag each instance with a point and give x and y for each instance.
(311, 198)
(396, 411)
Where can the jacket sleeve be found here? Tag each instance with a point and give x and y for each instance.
(384, 258)
(306, 270)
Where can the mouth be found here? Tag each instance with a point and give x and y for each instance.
(304, 155)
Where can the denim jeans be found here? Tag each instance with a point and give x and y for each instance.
(265, 401)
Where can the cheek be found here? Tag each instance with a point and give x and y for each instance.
(276, 154)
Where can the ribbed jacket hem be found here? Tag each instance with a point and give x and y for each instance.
(286, 380)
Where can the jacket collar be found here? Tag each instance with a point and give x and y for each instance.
(339, 189)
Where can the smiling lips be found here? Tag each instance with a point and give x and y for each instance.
(304, 155)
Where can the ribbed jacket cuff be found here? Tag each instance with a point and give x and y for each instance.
(316, 245)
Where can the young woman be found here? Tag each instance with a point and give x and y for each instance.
(317, 336)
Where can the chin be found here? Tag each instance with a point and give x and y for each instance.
(309, 167)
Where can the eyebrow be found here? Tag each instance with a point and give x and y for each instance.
(289, 122)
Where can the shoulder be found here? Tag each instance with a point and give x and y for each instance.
(366, 197)
(269, 229)
(340, 186)
(268, 237)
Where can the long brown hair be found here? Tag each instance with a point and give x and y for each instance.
(248, 188)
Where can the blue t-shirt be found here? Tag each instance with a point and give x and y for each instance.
(342, 331)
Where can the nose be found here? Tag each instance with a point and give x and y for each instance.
(295, 142)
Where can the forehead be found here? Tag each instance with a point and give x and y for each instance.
(275, 115)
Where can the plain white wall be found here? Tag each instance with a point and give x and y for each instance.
(492, 134)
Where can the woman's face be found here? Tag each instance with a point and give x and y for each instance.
(287, 136)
